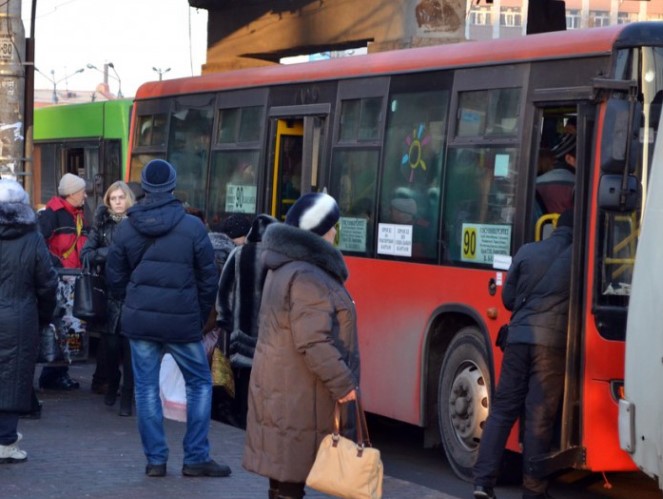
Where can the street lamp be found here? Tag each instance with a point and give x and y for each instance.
(119, 82)
(161, 72)
(55, 82)
(106, 75)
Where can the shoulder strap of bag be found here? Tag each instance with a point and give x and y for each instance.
(79, 229)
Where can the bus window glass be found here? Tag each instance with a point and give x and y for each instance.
(188, 152)
(250, 124)
(354, 181)
(360, 119)
(235, 188)
(228, 120)
(152, 130)
(487, 113)
(138, 162)
(410, 192)
(479, 204)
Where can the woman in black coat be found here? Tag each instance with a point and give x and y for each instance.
(28, 283)
(113, 347)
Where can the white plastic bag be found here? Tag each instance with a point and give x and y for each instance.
(172, 389)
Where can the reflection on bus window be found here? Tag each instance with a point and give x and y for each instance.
(410, 194)
(360, 119)
(188, 152)
(488, 113)
(479, 204)
(152, 130)
(233, 177)
(240, 124)
(354, 184)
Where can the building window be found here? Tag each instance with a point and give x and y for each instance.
(626, 17)
(599, 18)
(510, 17)
(480, 16)
(572, 19)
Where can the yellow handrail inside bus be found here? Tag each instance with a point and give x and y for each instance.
(549, 218)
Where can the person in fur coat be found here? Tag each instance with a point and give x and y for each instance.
(27, 297)
(238, 306)
(307, 354)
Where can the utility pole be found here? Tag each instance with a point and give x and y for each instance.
(12, 91)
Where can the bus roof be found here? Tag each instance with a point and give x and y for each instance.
(556, 45)
(90, 119)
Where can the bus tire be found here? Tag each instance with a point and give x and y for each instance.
(464, 390)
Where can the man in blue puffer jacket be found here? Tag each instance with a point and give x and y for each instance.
(161, 265)
(532, 378)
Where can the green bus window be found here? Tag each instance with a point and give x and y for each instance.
(410, 189)
(234, 180)
(228, 121)
(251, 124)
(488, 113)
(354, 184)
(479, 204)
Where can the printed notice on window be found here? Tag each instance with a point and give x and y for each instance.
(482, 242)
(395, 239)
(352, 234)
(241, 198)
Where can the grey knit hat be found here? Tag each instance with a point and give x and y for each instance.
(70, 184)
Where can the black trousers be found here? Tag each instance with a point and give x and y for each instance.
(8, 426)
(532, 379)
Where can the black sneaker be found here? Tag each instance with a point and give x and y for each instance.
(155, 470)
(210, 468)
(481, 492)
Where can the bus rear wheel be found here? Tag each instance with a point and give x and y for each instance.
(463, 399)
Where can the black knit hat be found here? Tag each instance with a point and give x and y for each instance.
(235, 226)
(158, 176)
(566, 145)
(315, 211)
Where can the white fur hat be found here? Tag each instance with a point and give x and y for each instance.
(12, 192)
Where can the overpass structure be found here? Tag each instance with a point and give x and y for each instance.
(249, 33)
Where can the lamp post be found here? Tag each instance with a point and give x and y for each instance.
(160, 71)
(106, 75)
(55, 82)
(119, 81)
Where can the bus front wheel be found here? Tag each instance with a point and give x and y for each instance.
(463, 399)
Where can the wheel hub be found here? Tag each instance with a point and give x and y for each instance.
(468, 405)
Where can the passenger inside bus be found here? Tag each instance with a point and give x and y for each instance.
(554, 189)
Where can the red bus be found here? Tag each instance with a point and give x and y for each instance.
(433, 155)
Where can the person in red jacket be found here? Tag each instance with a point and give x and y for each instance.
(63, 225)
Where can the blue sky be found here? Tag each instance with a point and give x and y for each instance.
(135, 35)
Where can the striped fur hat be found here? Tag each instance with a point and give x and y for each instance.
(316, 211)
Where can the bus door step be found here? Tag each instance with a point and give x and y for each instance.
(544, 465)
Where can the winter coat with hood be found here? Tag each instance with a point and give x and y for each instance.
(537, 288)
(28, 284)
(58, 223)
(240, 290)
(94, 255)
(307, 355)
(161, 263)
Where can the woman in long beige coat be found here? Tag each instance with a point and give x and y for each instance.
(307, 356)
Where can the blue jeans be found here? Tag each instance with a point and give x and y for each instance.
(192, 361)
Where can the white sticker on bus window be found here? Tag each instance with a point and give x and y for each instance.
(241, 198)
(481, 242)
(498, 278)
(395, 239)
(352, 234)
(501, 165)
(501, 262)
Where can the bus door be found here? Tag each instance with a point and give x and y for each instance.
(561, 147)
(296, 153)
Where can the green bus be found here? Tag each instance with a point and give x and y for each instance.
(89, 140)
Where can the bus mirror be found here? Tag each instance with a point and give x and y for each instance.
(613, 197)
(615, 137)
